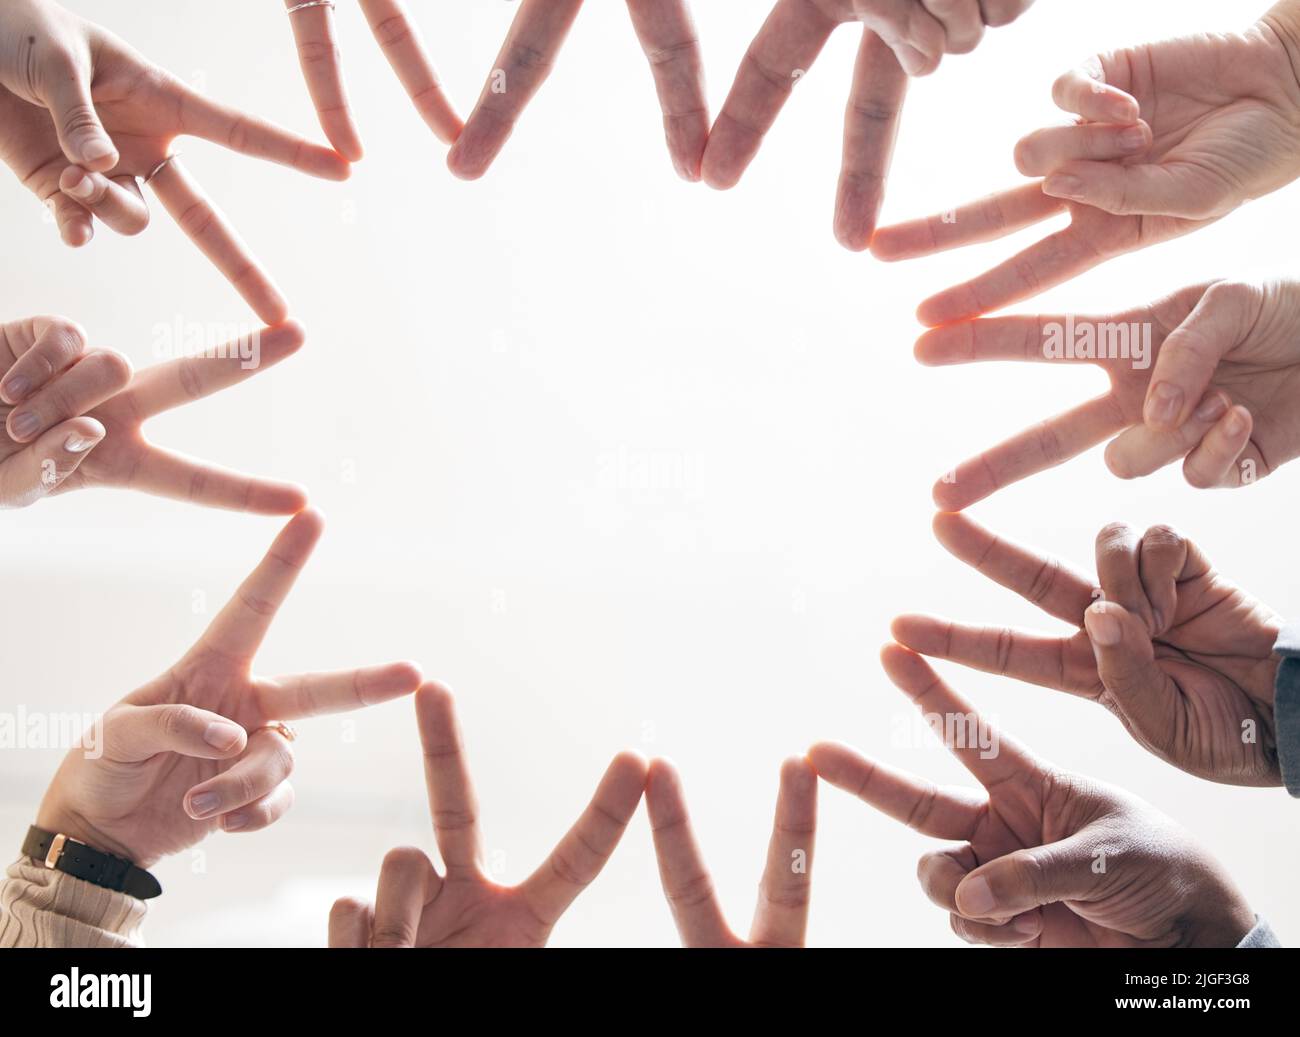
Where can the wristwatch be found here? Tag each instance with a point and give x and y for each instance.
(59, 852)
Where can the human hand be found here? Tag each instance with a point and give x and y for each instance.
(82, 115)
(667, 35)
(781, 918)
(1182, 656)
(664, 28)
(1046, 858)
(899, 37)
(415, 906)
(1163, 147)
(46, 367)
(122, 456)
(192, 751)
(398, 38)
(1226, 350)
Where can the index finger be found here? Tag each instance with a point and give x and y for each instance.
(668, 37)
(452, 802)
(781, 919)
(586, 848)
(526, 59)
(205, 225)
(685, 878)
(318, 54)
(870, 128)
(249, 135)
(400, 41)
(1043, 446)
(988, 755)
(240, 627)
(785, 48)
(972, 224)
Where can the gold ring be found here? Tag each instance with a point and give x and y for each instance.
(283, 730)
(311, 3)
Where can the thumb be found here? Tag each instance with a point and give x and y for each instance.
(1190, 355)
(82, 136)
(1030, 878)
(44, 465)
(1126, 664)
(134, 733)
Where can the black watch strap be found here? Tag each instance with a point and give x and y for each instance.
(59, 852)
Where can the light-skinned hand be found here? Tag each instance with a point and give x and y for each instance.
(784, 894)
(899, 38)
(418, 906)
(190, 752)
(1217, 391)
(82, 116)
(1169, 137)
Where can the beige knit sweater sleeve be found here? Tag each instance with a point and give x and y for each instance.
(44, 908)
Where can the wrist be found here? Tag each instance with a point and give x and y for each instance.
(54, 818)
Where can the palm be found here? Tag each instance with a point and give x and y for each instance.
(472, 911)
(1219, 112)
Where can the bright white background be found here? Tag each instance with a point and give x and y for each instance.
(497, 362)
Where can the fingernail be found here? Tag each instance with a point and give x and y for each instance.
(975, 898)
(1060, 186)
(221, 735)
(1163, 404)
(83, 188)
(26, 424)
(78, 444)
(204, 804)
(17, 388)
(96, 148)
(1133, 139)
(1026, 924)
(234, 822)
(1157, 621)
(1212, 407)
(1102, 627)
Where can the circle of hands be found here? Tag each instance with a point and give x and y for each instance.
(1179, 654)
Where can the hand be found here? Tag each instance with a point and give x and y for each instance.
(1046, 858)
(1178, 653)
(1162, 149)
(46, 368)
(190, 752)
(899, 37)
(781, 918)
(415, 906)
(667, 35)
(124, 458)
(82, 116)
(1225, 350)
(399, 39)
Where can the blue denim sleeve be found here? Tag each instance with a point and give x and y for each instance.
(1286, 706)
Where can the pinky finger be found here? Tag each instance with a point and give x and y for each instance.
(350, 921)
(45, 465)
(76, 227)
(261, 812)
(1213, 462)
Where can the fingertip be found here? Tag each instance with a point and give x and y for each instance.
(433, 695)
(798, 773)
(947, 497)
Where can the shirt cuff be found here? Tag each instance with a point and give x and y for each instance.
(41, 907)
(1286, 706)
(1260, 936)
